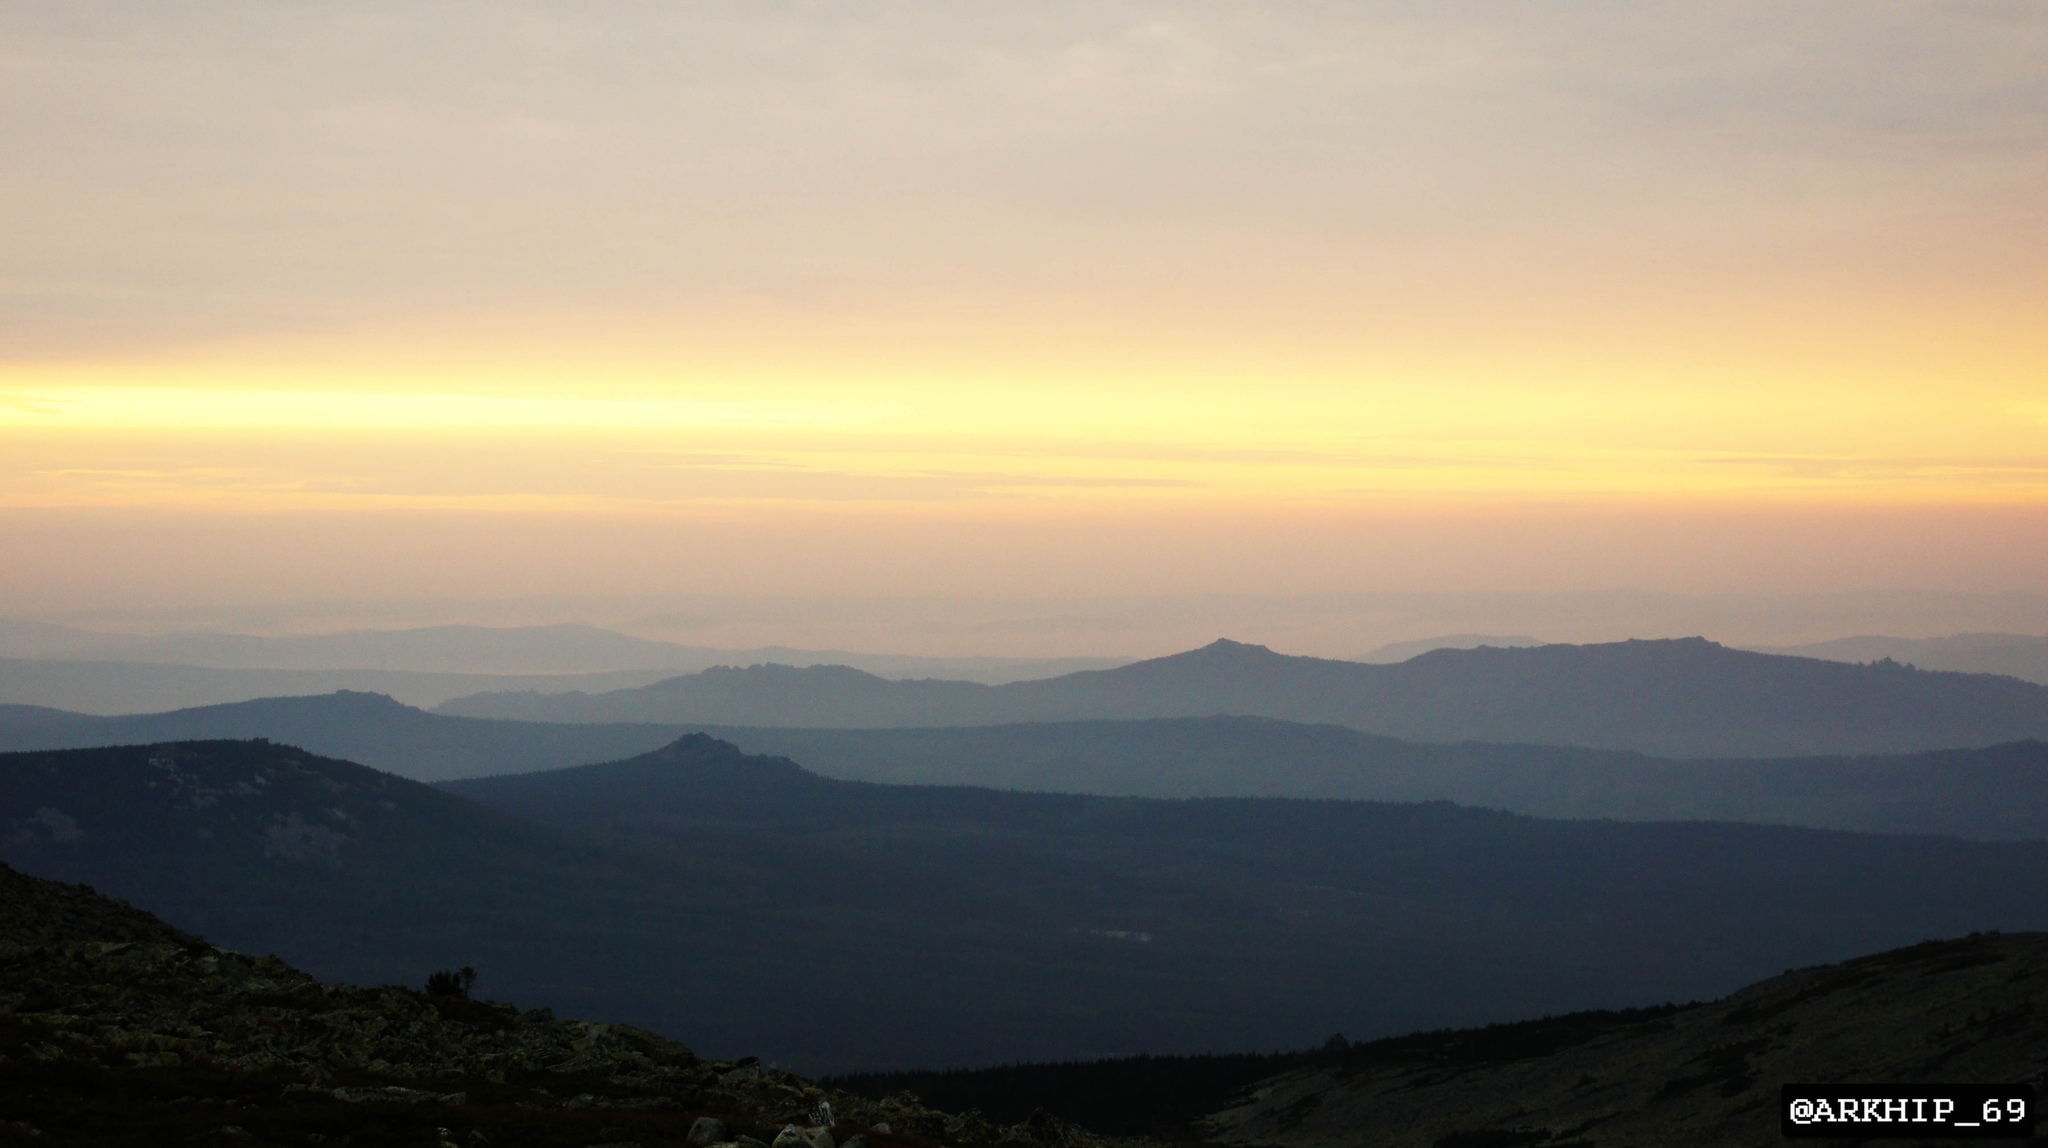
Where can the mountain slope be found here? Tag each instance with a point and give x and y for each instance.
(119, 1029)
(839, 925)
(1996, 793)
(1685, 697)
(1952, 1011)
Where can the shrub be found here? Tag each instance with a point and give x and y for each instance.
(452, 983)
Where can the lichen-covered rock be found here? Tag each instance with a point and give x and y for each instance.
(798, 1136)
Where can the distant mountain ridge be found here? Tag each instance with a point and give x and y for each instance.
(1678, 697)
(362, 727)
(1994, 793)
(2023, 656)
(562, 649)
(1402, 651)
(128, 687)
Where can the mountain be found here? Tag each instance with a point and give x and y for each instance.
(367, 728)
(837, 925)
(755, 695)
(123, 1030)
(120, 687)
(557, 650)
(1684, 697)
(1402, 651)
(1996, 793)
(2022, 656)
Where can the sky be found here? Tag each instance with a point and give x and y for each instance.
(569, 304)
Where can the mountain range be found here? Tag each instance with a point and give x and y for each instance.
(1681, 697)
(566, 649)
(1994, 793)
(369, 728)
(123, 687)
(830, 924)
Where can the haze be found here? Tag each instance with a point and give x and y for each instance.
(934, 327)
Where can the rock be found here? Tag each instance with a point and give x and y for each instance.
(795, 1136)
(1040, 1128)
(393, 1094)
(708, 1130)
(971, 1127)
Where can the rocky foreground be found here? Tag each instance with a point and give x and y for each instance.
(116, 1028)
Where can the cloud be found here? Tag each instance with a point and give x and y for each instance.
(254, 168)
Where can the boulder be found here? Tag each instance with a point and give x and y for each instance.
(797, 1136)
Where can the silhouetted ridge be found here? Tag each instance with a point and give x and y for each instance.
(1684, 697)
(709, 777)
(366, 727)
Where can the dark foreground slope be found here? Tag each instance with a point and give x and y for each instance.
(118, 1029)
(1995, 793)
(1957, 1011)
(368, 728)
(1705, 1077)
(1688, 698)
(837, 925)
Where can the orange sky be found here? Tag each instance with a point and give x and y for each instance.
(1115, 291)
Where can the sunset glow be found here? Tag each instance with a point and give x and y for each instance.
(1096, 265)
